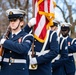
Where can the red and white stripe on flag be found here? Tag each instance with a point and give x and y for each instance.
(44, 12)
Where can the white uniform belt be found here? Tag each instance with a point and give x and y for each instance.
(40, 53)
(11, 60)
(70, 54)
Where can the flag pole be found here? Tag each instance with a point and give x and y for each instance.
(34, 66)
(33, 12)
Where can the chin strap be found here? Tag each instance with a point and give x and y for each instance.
(17, 26)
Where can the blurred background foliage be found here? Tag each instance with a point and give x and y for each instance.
(66, 10)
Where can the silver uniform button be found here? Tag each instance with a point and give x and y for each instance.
(9, 63)
(75, 42)
(23, 68)
(35, 40)
(10, 51)
(34, 46)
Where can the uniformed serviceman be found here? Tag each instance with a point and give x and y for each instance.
(69, 66)
(58, 62)
(43, 60)
(14, 61)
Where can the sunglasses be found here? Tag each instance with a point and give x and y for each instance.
(64, 28)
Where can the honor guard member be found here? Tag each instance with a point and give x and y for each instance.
(57, 63)
(14, 61)
(69, 66)
(45, 52)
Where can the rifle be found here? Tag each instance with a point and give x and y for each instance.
(5, 35)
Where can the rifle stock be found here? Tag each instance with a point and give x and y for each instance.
(6, 37)
(1, 50)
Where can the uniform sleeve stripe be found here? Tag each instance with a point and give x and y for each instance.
(73, 41)
(62, 43)
(51, 35)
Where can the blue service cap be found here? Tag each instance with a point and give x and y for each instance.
(15, 13)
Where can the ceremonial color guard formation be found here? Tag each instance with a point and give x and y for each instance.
(25, 51)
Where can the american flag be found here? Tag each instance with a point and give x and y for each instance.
(44, 14)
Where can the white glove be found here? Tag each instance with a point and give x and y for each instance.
(0, 58)
(2, 41)
(32, 22)
(33, 60)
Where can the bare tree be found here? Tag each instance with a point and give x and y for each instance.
(6, 4)
(68, 9)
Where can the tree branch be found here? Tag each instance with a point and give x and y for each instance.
(62, 12)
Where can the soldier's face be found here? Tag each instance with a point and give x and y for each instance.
(64, 33)
(54, 28)
(14, 24)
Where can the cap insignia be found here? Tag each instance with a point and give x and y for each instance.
(63, 25)
(10, 13)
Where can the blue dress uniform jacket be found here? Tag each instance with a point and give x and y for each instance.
(15, 54)
(57, 65)
(72, 48)
(44, 61)
(70, 63)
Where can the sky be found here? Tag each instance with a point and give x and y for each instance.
(58, 16)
